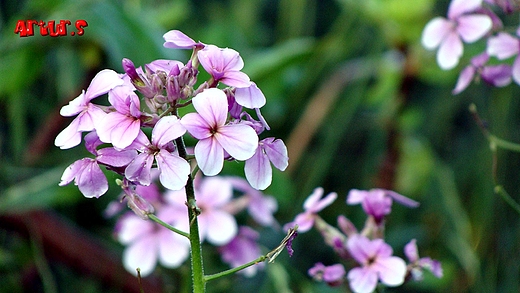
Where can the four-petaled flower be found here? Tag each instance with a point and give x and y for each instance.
(224, 65)
(312, 205)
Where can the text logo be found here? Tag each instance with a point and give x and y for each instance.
(26, 28)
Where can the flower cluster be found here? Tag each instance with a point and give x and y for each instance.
(377, 264)
(140, 137)
(467, 22)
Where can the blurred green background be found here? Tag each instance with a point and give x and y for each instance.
(358, 101)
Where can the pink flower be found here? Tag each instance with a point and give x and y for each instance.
(214, 135)
(87, 114)
(242, 249)
(377, 263)
(258, 167)
(495, 75)
(504, 46)
(333, 275)
(174, 170)
(418, 265)
(312, 205)
(447, 33)
(224, 65)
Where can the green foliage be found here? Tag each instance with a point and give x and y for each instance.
(350, 90)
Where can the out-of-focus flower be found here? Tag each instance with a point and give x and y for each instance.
(504, 46)
(495, 75)
(243, 249)
(418, 265)
(312, 205)
(447, 33)
(209, 126)
(377, 263)
(333, 275)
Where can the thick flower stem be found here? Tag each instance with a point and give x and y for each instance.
(197, 269)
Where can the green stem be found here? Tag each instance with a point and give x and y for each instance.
(169, 227)
(236, 269)
(507, 198)
(197, 268)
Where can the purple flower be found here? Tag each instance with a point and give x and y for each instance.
(87, 114)
(87, 174)
(377, 263)
(495, 75)
(418, 265)
(149, 243)
(174, 170)
(224, 65)
(214, 135)
(447, 33)
(122, 126)
(258, 167)
(378, 202)
(333, 275)
(312, 205)
(504, 46)
(242, 249)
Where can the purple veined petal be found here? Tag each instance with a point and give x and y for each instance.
(450, 51)
(113, 157)
(258, 170)
(356, 196)
(235, 78)
(239, 140)
(473, 27)
(91, 181)
(69, 137)
(141, 142)
(392, 270)
(410, 250)
(231, 60)
(515, 70)
(91, 118)
(75, 106)
(277, 152)
(73, 170)
(362, 280)
(459, 7)
(497, 75)
(503, 46)
(401, 199)
(173, 249)
(140, 169)
(196, 126)
(465, 78)
(104, 81)
(141, 254)
(118, 129)
(210, 156)
(250, 97)
(215, 191)
(435, 31)
(174, 170)
(164, 65)
(212, 106)
(176, 39)
(167, 129)
(119, 99)
(92, 141)
(222, 227)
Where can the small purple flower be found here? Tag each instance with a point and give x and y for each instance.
(378, 202)
(495, 75)
(174, 170)
(87, 113)
(258, 167)
(504, 46)
(224, 66)
(377, 263)
(87, 174)
(214, 135)
(418, 265)
(243, 249)
(312, 205)
(447, 33)
(333, 275)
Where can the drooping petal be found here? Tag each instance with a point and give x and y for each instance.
(410, 250)
(140, 169)
(210, 156)
(277, 152)
(450, 51)
(91, 181)
(75, 106)
(473, 27)
(401, 199)
(104, 81)
(435, 31)
(167, 129)
(250, 97)
(176, 39)
(239, 140)
(503, 46)
(113, 157)
(465, 78)
(258, 170)
(141, 254)
(174, 170)
(212, 106)
(196, 125)
(69, 137)
(392, 270)
(236, 78)
(222, 227)
(362, 280)
(459, 7)
(73, 170)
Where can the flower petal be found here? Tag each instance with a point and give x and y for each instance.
(258, 170)
(250, 97)
(113, 157)
(210, 156)
(362, 280)
(473, 27)
(141, 254)
(174, 170)
(167, 129)
(69, 137)
(459, 7)
(91, 181)
(503, 46)
(277, 152)
(196, 125)
(212, 105)
(450, 51)
(239, 140)
(176, 39)
(140, 169)
(104, 81)
(173, 249)
(392, 270)
(435, 31)
(222, 227)
(465, 78)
